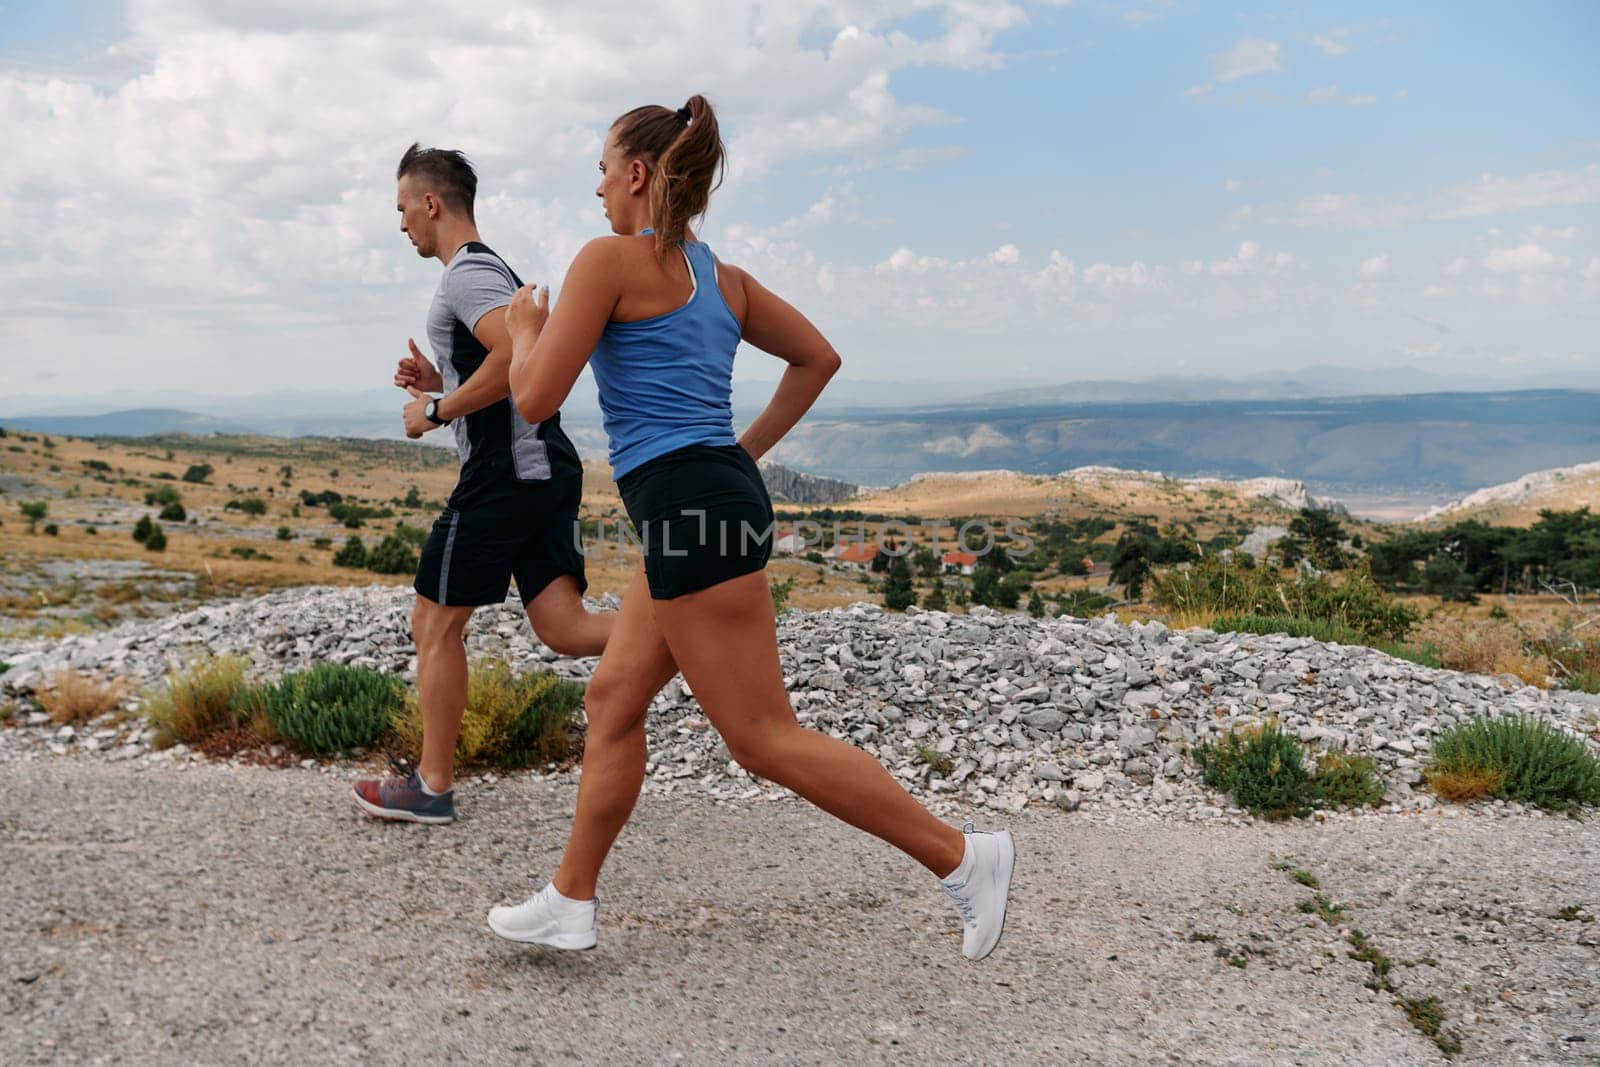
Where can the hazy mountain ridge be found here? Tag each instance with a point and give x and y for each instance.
(1431, 446)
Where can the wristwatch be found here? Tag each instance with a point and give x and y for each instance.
(431, 410)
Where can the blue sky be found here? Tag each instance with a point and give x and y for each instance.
(956, 191)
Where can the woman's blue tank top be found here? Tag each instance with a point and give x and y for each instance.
(667, 382)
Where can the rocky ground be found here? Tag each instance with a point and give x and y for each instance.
(998, 710)
(161, 907)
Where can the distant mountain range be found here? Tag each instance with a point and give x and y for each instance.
(1439, 443)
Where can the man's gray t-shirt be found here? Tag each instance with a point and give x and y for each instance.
(494, 441)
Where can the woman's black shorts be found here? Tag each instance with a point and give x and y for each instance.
(702, 515)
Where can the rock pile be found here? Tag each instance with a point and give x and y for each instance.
(1000, 710)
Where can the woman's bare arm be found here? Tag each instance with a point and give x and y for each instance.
(775, 327)
(549, 348)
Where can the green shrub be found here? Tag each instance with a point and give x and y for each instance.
(415, 536)
(33, 511)
(250, 505)
(392, 555)
(1263, 768)
(51, 529)
(284, 533)
(163, 496)
(1214, 586)
(198, 473)
(511, 720)
(157, 540)
(780, 590)
(174, 513)
(1342, 781)
(1515, 758)
(142, 529)
(332, 707)
(209, 697)
(353, 554)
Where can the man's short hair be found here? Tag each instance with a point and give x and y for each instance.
(448, 171)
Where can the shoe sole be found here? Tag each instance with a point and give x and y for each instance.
(1008, 859)
(399, 814)
(566, 942)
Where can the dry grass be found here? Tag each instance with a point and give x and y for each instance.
(509, 716)
(1482, 646)
(74, 697)
(1464, 785)
(209, 698)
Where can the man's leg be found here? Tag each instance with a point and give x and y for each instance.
(441, 686)
(562, 622)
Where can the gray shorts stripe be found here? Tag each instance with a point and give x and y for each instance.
(444, 565)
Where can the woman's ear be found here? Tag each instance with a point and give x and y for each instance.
(638, 176)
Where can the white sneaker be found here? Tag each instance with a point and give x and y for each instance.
(545, 919)
(981, 896)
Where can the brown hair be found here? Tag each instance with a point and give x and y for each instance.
(686, 154)
(447, 170)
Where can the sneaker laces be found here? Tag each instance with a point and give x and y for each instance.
(963, 905)
(401, 768)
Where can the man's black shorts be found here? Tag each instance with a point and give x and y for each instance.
(490, 534)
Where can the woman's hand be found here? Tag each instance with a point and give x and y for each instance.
(527, 314)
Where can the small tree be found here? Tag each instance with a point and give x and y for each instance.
(898, 593)
(162, 496)
(935, 600)
(353, 554)
(33, 511)
(174, 513)
(198, 472)
(392, 555)
(1130, 564)
(1444, 577)
(1036, 605)
(985, 586)
(1009, 591)
(927, 563)
(157, 541)
(142, 529)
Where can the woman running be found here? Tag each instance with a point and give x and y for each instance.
(658, 318)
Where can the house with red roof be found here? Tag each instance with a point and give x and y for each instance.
(959, 562)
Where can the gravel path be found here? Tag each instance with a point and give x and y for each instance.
(205, 913)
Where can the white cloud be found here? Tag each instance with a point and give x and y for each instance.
(1376, 267)
(1332, 43)
(1323, 94)
(1248, 56)
(1363, 100)
(1489, 194)
(1232, 185)
(1519, 260)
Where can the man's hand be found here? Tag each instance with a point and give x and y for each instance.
(416, 370)
(527, 315)
(417, 422)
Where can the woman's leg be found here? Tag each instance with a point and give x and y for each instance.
(633, 668)
(724, 639)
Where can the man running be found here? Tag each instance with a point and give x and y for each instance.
(512, 513)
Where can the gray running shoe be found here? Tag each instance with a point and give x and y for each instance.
(403, 799)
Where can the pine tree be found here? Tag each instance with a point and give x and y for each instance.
(898, 593)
